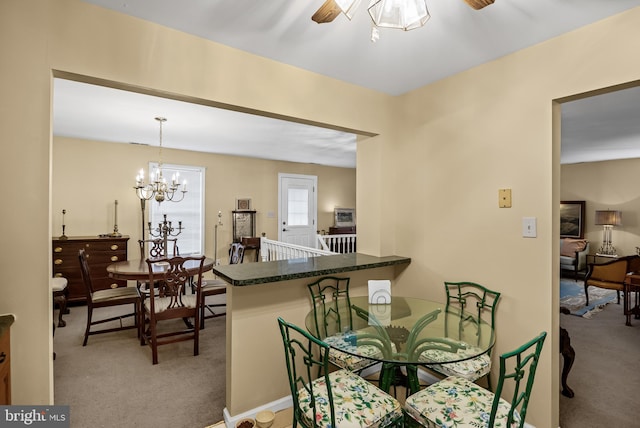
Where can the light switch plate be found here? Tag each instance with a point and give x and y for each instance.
(529, 227)
(504, 198)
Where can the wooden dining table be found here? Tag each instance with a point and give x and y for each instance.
(138, 270)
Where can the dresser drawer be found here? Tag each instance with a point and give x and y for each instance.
(101, 252)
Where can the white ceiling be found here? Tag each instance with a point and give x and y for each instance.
(456, 38)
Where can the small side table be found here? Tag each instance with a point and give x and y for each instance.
(598, 259)
(252, 243)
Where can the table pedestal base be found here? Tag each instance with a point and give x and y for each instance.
(392, 375)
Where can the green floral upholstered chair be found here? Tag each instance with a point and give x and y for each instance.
(457, 402)
(479, 302)
(330, 298)
(338, 399)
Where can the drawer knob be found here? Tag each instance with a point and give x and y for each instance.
(114, 258)
(58, 261)
(58, 275)
(3, 357)
(114, 285)
(57, 250)
(114, 247)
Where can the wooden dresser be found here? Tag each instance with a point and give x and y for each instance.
(101, 252)
(5, 359)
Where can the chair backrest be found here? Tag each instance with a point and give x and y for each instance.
(474, 299)
(614, 271)
(304, 356)
(236, 253)
(86, 274)
(518, 366)
(157, 248)
(172, 283)
(330, 299)
(379, 338)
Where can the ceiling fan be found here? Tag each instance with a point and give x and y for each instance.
(330, 9)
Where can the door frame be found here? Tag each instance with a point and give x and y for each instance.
(314, 178)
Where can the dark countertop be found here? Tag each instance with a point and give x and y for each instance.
(6, 321)
(284, 270)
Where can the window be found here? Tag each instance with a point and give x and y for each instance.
(189, 211)
(298, 214)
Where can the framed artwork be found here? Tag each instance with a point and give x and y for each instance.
(344, 217)
(572, 219)
(244, 224)
(243, 204)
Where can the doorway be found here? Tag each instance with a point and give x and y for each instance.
(297, 209)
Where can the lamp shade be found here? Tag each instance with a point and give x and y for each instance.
(609, 218)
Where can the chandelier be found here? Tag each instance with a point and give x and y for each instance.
(158, 187)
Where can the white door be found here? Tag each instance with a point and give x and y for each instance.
(297, 215)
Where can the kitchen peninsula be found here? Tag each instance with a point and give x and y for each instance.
(259, 293)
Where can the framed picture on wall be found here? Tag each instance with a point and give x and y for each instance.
(243, 204)
(572, 219)
(344, 217)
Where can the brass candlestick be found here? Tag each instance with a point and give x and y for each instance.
(115, 233)
(63, 236)
(165, 230)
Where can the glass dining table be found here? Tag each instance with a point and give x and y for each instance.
(409, 332)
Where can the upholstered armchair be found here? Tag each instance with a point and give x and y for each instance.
(610, 275)
(573, 255)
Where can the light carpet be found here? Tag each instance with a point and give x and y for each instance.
(111, 382)
(573, 298)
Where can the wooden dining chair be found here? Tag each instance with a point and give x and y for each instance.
(167, 301)
(456, 401)
(479, 303)
(156, 248)
(108, 298)
(338, 399)
(218, 287)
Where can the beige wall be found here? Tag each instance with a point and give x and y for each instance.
(253, 355)
(484, 129)
(426, 185)
(104, 172)
(609, 185)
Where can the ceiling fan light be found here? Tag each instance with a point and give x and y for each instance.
(479, 4)
(348, 7)
(401, 14)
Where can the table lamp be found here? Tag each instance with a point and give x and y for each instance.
(608, 219)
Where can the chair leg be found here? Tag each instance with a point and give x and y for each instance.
(196, 337)
(586, 293)
(154, 343)
(568, 356)
(86, 331)
(54, 333)
(60, 300)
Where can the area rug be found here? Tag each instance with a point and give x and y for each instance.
(572, 297)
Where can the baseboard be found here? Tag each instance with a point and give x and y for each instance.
(276, 406)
